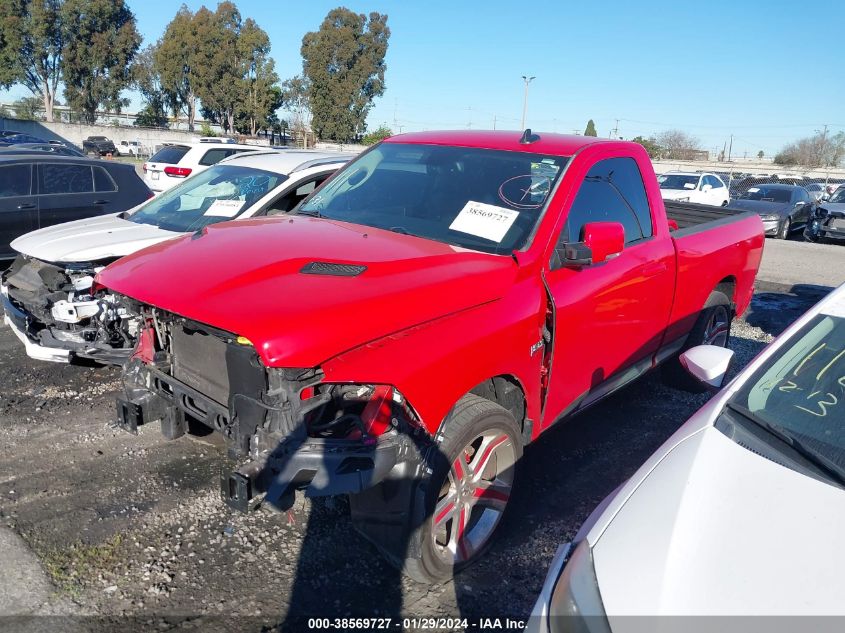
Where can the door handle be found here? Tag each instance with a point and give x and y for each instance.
(650, 270)
(101, 201)
(26, 206)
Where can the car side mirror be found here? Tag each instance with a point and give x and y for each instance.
(706, 187)
(708, 364)
(602, 241)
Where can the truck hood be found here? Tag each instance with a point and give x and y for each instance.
(762, 207)
(89, 239)
(247, 278)
(715, 529)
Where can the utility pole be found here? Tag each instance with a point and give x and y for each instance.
(527, 81)
(730, 148)
(469, 125)
(615, 130)
(494, 121)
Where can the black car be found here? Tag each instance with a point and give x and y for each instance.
(38, 190)
(783, 208)
(828, 222)
(55, 148)
(98, 146)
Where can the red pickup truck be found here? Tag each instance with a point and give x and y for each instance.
(430, 310)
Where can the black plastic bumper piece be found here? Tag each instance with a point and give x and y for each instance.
(129, 416)
(320, 468)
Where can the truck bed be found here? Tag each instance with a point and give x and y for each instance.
(691, 217)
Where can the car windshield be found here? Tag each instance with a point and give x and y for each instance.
(482, 199)
(767, 194)
(217, 194)
(838, 195)
(677, 181)
(800, 390)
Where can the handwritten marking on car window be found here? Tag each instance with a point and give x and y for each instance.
(807, 358)
(821, 403)
(528, 191)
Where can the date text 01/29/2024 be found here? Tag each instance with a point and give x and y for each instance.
(415, 624)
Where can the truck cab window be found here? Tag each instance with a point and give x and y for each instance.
(612, 191)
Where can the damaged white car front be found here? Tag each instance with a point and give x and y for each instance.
(50, 308)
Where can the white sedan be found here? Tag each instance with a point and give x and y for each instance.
(740, 513)
(47, 291)
(700, 188)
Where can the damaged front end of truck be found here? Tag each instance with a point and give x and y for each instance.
(286, 430)
(56, 313)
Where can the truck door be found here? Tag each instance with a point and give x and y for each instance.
(609, 318)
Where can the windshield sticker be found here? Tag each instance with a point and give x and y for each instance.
(484, 220)
(753, 189)
(689, 185)
(225, 208)
(526, 192)
(835, 308)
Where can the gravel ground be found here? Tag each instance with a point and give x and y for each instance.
(133, 526)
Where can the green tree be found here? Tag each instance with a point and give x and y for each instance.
(260, 96)
(96, 61)
(32, 42)
(343, 63)
(27, 108)
(760, 154)
(591, 129)
(651, 146)
(174, 62)
(219, 69)
(295, 100)
(148, 82)
(379, 134)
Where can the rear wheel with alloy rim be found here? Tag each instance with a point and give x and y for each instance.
(713, 327)
(468, 490)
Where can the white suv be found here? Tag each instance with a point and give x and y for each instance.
(693, 186)
(173, 163)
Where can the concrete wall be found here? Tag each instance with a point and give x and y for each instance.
(74, 133)
(762, 167)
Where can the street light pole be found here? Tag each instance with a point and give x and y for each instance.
(527, 81)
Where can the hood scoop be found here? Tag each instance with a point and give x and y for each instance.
(333, 269)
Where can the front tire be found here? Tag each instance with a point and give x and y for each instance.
(713, 327)
(785, 228)
(467, 490)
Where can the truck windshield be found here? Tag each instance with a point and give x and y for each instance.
(677, 181)
(486, 200)
(801, 389)
(219, 193)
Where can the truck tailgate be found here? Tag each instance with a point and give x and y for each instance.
(713, 245)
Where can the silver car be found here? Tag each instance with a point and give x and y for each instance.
(740, 513)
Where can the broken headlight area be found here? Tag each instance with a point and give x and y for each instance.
(288, 428)
(55, 305)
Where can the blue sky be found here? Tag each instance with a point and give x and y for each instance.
(764, 71)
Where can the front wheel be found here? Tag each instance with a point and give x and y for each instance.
(713, 327)
(785, 228)
(468, 489)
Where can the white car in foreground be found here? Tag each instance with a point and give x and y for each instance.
(170, 165)
(691, 186)
(47, 291)
(740, 513)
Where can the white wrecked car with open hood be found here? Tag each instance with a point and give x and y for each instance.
(47, 291)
